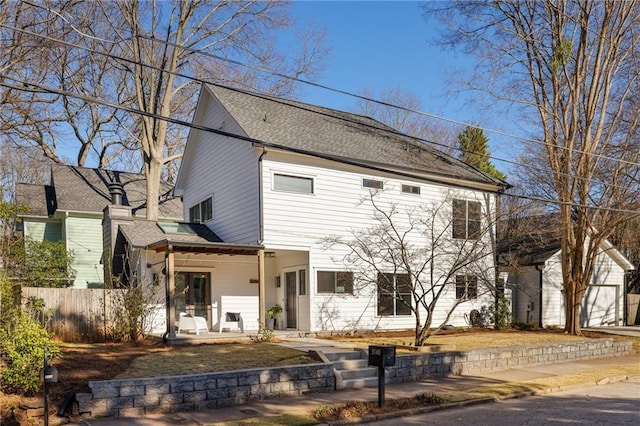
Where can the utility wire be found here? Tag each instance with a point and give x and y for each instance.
(202, 81)
(38, 88)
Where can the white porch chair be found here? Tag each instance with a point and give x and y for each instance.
(188, 323)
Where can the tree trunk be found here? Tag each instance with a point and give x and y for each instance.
(153, 173)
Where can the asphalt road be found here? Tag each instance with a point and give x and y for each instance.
(611, 404)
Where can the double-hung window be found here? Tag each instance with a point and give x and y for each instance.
(394, 294)
(466, 287)
(467, 219)
(201, 212)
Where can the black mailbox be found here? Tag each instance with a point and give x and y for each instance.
(382, 356)
(49, 374)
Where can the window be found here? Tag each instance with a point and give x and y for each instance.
(466, 219)
(335, 282)
(411, 189)
(394, 294)
(372, 183)
(290, 183)
(466, 287)
(302, 282)
(201, 212)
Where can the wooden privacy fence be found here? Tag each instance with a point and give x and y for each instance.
(633, 309)
(76, 314)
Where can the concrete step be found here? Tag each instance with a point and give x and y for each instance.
(359, 373)
(349, 364)
(341, 356)
(368, 382)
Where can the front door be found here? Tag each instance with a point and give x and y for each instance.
(292, 306)
(193, 294)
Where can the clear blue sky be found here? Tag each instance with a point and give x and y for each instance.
(381, 45)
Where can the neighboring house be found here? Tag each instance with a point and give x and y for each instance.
(535, 277)
(70, 209)
(273, 179)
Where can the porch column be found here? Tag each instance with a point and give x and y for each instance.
(171, 290)
(261, 292)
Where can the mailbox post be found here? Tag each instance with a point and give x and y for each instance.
(49, 374)
(381, 357)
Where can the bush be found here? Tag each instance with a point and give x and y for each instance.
(24, 342)
(500, 317)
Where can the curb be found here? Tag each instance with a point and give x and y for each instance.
(471, 402)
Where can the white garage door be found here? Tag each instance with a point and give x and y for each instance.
(600, 306)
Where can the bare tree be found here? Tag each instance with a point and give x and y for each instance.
(572, 66)
(420, 260)
(147, 56)
(400, 109)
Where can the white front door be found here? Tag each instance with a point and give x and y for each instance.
(295, 292)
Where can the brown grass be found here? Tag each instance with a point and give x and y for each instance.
(205, 358)
(480, 338)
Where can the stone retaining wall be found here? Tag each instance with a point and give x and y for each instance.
(136, 397)
(411, 368)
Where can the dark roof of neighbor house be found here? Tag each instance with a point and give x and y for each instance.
(339, 135)
(528, 250)
(81, 189)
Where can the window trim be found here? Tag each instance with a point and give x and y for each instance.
(396, 296)
(294, 176)
(335, 282)
(199, 205)
(410, 189)
(371, 183)
(468, 220)
(469, 281)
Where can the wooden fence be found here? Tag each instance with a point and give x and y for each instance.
(633, 309)
(76, 314)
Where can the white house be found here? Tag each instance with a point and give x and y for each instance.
(271, 178)
(535, 276)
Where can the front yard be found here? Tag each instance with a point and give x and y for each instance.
(82, 363)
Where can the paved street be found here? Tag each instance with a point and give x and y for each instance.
(612, 404)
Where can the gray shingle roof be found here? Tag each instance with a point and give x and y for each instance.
(85, 190)
(39, 199)
(341, 135)
(528, 250)
(143, 233)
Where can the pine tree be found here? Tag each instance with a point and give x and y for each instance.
(474, 150)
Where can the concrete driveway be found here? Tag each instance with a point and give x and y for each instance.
(630, 330)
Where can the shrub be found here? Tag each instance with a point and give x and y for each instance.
(24, 342)
(499, 316)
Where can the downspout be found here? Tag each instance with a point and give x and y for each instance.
(260, 188)
(540, 268)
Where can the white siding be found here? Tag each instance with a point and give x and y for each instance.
(226, 169)
(43, 230)
(84, 239)
(337, 206)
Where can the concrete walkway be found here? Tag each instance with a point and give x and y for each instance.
(629, 330)
(307, 403)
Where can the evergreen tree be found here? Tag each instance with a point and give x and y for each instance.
(474, 150)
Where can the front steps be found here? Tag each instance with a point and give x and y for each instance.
(352, 370)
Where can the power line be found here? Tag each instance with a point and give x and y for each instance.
(38, 88)
(203, 81)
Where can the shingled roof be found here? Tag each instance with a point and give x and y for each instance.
(339, 135)
(80, 189)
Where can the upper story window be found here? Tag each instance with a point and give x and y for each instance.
(467, 216)
(466, 287)
(290, 183)
(335, 282)
(202, 211)
(411, 189)
(394, 294)
(372, 183)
